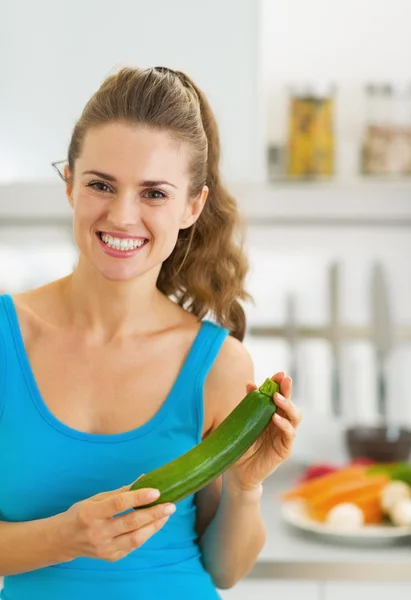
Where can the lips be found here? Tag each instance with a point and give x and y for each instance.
(121, 235)
(121, 247)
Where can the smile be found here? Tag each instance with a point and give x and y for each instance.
(121, 244)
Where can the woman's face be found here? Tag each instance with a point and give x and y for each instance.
(129, 196)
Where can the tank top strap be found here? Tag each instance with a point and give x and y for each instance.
(6, 346)
(188, 411)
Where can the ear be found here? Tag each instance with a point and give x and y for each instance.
(69, 184)
(194, 209)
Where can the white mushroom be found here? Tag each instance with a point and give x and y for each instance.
(345, 516)
(392, 493)
(400, 513)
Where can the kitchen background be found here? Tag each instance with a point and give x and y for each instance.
(313, 100)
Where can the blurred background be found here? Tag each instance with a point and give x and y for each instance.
(313, 101)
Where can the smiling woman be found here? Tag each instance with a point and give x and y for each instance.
(163, 121)
(115, 370)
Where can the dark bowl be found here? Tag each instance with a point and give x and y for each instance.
(382, 444)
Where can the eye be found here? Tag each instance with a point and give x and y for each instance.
(100, 186)
(155, 196)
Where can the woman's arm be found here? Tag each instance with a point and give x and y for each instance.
(93, 527)
(229, 523)
(235, 534)
(30, 545)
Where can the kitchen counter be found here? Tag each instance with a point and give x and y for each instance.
(290, 554)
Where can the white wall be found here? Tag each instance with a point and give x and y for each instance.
(346, 42)
(55, 53)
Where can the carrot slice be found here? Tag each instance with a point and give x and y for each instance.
(368, 502)
(347, 492)
(324, 482)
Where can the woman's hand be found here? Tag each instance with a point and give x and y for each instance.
(273, 446)
(91, 528)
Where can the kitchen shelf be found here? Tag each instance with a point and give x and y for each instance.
(356, 202)
(402, 333)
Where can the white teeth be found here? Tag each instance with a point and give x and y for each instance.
(123, 244)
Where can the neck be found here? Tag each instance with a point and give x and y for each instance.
(112, 309)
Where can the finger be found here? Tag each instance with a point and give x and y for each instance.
(140, 518)
(278, 377)
(286, 387)
(124, 500)
(287, 430)
(109, 493)
(288, 409)
(250, 386)
(130, 541)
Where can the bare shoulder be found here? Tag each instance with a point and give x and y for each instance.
(25, 313)
(226, 383)
(32, 307)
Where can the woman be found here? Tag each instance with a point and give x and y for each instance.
(114, 370)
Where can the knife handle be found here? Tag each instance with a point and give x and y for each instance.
(293, 375)
(381, 390)
(335, 390)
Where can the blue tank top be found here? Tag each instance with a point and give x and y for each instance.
(46, 466)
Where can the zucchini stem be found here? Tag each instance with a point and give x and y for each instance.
(269, 388)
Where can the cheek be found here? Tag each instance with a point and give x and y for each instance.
(87, 209)
(168, 221)
(164, 229)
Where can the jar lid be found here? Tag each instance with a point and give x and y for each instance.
(378, 87)
(317, 89)
(397, 88)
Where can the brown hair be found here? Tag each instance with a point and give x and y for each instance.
(206, 270)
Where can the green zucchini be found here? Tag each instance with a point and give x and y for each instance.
(202, 464)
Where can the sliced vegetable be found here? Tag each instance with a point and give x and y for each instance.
(367, 502)
(400, 513)
(324, 482)
(317, 470)
(392, 493)
(345, 516)
(348, 491)
(402, 473)
(222, 448)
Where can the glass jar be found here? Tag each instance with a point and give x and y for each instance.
(387, 134)
(310, 148)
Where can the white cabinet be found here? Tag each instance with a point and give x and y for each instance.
(367, 591)
(271, 589)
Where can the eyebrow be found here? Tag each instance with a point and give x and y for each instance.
(147, 183)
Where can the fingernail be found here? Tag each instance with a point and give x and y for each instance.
(169, 509)
(280, 397)
(153, 494)
(277, 417)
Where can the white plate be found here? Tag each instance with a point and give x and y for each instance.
(294, 514)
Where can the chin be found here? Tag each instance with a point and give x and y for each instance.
(121, 272)
(120, 275)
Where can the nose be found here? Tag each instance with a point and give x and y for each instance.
(124, 210)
